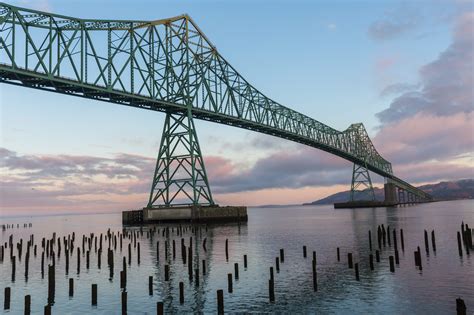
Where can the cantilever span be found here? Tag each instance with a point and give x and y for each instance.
(166, 65)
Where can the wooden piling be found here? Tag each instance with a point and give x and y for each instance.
(282, 255)
(392, 264)
(220, 302)
(356, 267)
(402, 240)
(377, 256)
(229, 283)
(460, 307)
(433, 240)
(427, 247)
(71, 287)
(371, 261)
(94, 294)
(150, 285)
(304, 251)
(227, 249)
(159, 308)
(271, 273)
(459, 244)
(245, 261)
(271, 290)
(277, 264)
(338, 255)
(47, 309)
(203, 267)
(27, 305)
(124, 299)
(236, 270)
(315, 276)
(181, 292)
(7, 298)
(349, 260)
(397, 258)
(370, 240)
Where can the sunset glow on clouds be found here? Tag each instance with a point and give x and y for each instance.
(425, 129)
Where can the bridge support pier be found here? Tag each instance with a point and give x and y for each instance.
(390, 191)
(180, 189)
(361, 186)
(180, 176)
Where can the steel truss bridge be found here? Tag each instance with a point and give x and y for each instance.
(170, 66)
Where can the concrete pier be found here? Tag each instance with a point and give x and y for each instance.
(213, 213)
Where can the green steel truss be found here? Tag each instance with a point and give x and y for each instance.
(180, 176)
(361, 186)
(164, 65)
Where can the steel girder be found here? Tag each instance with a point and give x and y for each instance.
(164, 65)
(180, 176)
(361, 186)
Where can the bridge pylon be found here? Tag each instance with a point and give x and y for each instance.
(361, 186)
(180, 177)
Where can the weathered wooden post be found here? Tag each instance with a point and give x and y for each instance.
(229, 282)
(181, 292)
(338, 255)
(150, 285)
(47, 309)
(271, 290)
(377, 256)
(277, 264)
(159, 308)
(94, 294)
(245, 261)
(460, 307)
(6, 298)
(349, 260)
(227, 249)
(124, 296)
(397, 258)
(282, 255)
(402, 240)
(304, 251)
(370, 240)
(71, 287)
(315, 276)
(371, 261)
(356, 267)
(220, 302)
(236, 270)
(27, 304)
(392, 265)
(427, 247)
(459, 244)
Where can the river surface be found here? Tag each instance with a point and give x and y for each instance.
(433, 290)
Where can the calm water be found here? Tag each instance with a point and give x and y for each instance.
(445, 276)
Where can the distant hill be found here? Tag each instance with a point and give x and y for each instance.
(461, 189)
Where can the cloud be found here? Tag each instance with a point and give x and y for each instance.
(426, 137)
(397, 89)
(394, 24)
(446, 84)
(429, 126)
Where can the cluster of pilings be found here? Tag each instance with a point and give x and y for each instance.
(18, 226)
(171, 240)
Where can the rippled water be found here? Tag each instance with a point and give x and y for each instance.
(445, 276)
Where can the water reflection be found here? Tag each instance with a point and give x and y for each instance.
(444, 277)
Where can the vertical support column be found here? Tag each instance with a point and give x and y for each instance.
(180, 176)
(361, 186)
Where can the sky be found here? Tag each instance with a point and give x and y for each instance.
(402, 68)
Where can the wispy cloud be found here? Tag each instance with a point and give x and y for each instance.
(394, 24)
